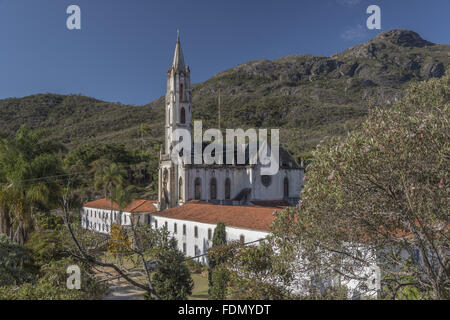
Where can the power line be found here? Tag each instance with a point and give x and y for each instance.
(41, 178)
(205, 254)
(59, 176)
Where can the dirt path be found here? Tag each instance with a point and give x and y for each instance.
(122, 290)
(119, 289)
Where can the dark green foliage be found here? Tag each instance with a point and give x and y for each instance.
(172, 280)
(219, 238)
(13, 261)
(195, 266)
(24, 159)
(51, 284)
(220, 235)
(219, 279)
(46, 246)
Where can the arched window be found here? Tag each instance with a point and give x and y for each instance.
(198, 188)
(227, 189)
(181, 92)
(286, 187)
(182, 116)
(180, 189)
(213, 189)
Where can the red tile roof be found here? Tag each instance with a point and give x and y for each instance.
(136, 206)
(246, 217)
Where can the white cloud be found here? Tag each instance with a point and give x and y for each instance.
(356, 33)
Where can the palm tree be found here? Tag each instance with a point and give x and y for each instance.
(110, 177)
(123, 197)
(24, 161)
(143, 129)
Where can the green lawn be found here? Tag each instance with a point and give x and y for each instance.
(200, 291)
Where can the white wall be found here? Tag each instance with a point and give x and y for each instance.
(99, 220)
(243, 177)
(202, 242)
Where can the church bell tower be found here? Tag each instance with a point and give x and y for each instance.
(178, 110)
(178, 97)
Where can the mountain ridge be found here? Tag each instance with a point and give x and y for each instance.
(306, 96)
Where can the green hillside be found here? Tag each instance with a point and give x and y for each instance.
(308, 97)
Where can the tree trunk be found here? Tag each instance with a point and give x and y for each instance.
(5, 222)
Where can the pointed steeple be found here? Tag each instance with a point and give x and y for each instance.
(178, 59)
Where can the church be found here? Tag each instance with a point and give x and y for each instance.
(220, 184)
(192, 197)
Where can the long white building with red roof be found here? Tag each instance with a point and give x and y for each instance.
(191, 224)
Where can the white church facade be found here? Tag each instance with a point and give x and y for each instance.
(217, 183)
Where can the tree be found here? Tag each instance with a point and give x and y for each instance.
(219, 280)
(13, 261)
(119, 243)
(24, 160)
(111, 176)
(246, 272)
(51, 284)
(146, 243)
(219, 238)
(379, 196)
(143, 129)
(172, 279)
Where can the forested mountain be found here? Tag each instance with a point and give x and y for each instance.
(308, 97)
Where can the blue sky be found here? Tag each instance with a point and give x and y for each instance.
(124, 47)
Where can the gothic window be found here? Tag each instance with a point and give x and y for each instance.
(184, 229)
(198, 189)
(213, 189)
(182, 116)
(227, 189)
(180, 189)
(184, 248)
(242, 238)
(165, 177)
(196, 231)
(286, 187)
(209, 234)
(175, 228)
(266, 180)
(181, 92)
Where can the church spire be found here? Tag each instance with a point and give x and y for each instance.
(178, 59)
